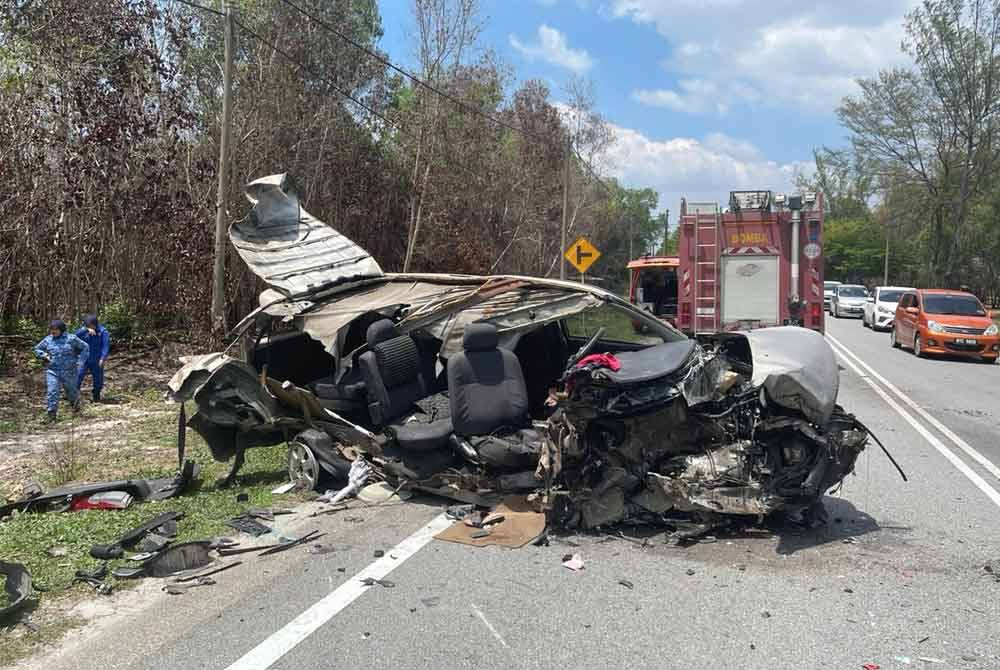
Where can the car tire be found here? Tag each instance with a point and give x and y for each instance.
(892, 339)
(918, 350)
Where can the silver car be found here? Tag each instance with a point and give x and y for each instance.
(848, 300)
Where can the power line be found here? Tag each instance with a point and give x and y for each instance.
(386, 62)
(312, 71)
(203, 8)
(417, 80)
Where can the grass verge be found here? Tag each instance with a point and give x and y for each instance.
(54, 545)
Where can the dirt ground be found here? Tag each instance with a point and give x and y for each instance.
(135, 380)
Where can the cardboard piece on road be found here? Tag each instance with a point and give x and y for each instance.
(381, 493)
(521, 524)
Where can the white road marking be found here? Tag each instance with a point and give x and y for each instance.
(959, 464)
(489, 625)
(279, 643)
(947, 432)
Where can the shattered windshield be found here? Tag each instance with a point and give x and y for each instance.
(958, 305)
(619, 326)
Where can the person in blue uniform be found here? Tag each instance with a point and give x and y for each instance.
(99, 340)
(63, 354)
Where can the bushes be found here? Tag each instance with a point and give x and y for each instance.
(120, 318)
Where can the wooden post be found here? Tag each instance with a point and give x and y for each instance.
(562, 243)
(219, 268)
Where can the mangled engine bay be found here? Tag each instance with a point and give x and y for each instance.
(713, 436)
(467, 387)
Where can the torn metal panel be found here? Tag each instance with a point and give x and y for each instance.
(326, 322)
(289, 248)
(17, 585)
(511, 311)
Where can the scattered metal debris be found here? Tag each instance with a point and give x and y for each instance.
(245, 524)
(179, 558)
(17, 585)
(287, 543)
(139, 489)
(95, 578)
(371, 581)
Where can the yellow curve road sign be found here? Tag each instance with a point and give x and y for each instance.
(582, 254)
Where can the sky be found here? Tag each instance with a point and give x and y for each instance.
(705, 96)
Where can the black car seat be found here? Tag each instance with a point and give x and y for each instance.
(489, 402)
(394, 382)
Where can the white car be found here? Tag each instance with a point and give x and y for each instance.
(828, 288)
(880, 309)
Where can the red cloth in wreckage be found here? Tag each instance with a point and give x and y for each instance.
(600, 361)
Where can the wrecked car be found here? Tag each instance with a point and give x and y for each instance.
(475, 387)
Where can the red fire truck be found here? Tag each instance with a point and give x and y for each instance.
(758, 263)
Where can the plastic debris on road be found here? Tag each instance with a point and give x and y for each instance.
(356, 477)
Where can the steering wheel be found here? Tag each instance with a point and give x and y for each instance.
(586, 348)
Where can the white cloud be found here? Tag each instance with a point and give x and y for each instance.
(694, 96)
(801, 52)
(706, 169)
(552, 47)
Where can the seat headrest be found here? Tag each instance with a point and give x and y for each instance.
(380, 331)
(480, 337)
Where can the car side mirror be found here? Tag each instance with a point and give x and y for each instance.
(912, 310)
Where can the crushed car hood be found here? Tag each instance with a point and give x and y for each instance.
(798, 369)
(290, 249)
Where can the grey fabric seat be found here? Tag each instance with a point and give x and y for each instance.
(394, 383)
(489, 402)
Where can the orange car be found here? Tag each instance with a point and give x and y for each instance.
(934, 321)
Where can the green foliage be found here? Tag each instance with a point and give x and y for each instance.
(120, 318)
(25, 327)
(854, 249)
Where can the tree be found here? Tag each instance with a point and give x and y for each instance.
(935, 125)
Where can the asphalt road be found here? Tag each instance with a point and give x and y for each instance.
(895, 577)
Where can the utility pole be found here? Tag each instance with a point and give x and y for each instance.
(631, 237)
(562, 243)
(219, 269)
(885, 271)
(666, 231)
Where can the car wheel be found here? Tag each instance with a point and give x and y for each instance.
(303, 469)
(917, 347)
(892, 339)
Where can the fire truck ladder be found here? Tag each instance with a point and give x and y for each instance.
(706, 268)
